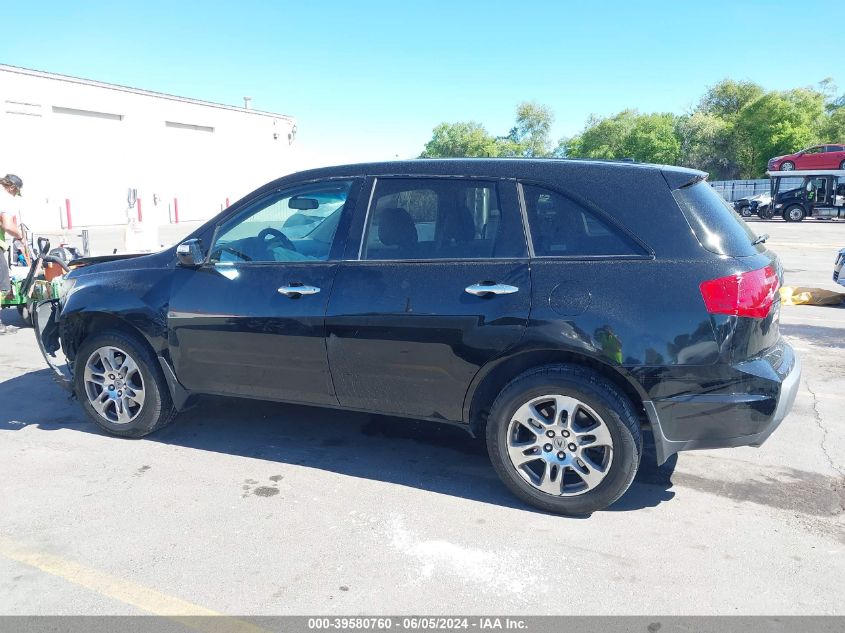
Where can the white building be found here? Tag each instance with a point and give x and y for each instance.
(136, 168)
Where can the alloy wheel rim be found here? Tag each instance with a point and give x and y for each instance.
(559, 445)
(114, 385)
(786, 167)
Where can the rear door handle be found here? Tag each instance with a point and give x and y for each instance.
(482, 289)
(297, 290)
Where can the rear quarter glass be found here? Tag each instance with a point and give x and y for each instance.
(718, 228)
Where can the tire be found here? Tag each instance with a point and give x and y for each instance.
(123, 416)
(842, 165)
(746, 212)
(795, 213)
(787, 166)
(594, 401)
(25, 313)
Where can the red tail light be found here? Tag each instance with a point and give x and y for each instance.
(750, 294)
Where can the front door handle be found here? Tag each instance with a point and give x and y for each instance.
(489, 288)
(297, 290)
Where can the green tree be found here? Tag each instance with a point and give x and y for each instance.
(652, 139)
(705, 144)
(602, 137)
(728, 97)
(629, 134)
(463, 139)
(736, 127)
(531, 136)
(833, 127)
(776, 123)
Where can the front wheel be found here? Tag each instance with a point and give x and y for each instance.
(842, 165)
(564, 439)
(787, 166)
(121, 386)
(794, 213)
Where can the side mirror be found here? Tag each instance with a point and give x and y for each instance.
(43, 246)
(189, 253)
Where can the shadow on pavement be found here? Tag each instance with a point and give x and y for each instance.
(816, 334)
(424, 455)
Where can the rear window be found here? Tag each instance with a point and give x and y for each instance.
(718, 228)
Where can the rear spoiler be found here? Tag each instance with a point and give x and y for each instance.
(681, 178)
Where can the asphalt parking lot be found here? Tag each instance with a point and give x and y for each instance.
(250, 508)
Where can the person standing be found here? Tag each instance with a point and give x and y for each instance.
(9, 230)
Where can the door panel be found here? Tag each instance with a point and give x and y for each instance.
(239, 324)
(232, 331)
(406, 338)
(816, 158)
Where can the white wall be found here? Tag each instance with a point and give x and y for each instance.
(93, 161)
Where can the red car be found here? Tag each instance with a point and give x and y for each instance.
(818, 157)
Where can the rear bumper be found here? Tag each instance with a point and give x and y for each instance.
(45, 318)
(728, 420)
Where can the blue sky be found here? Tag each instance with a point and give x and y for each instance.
(369, 79)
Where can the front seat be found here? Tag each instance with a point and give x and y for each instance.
(458, 231)
(396, 228)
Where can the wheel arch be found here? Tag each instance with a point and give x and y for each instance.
(80, 325)
(493, 377)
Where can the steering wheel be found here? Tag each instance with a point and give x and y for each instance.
(277, 236)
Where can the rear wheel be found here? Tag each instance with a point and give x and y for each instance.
(794, 213)
(787, 166)
(564, 439)
(121, 386)
(842, 165)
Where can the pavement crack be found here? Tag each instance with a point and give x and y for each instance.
(817, 417)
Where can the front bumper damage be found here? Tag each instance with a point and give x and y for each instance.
(48, 334)
(46, 321)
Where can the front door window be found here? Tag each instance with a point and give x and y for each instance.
(288, 226)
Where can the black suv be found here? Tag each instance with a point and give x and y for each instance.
(557, 308)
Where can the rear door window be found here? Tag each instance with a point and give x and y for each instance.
(563, 227)
(718, 228)
(439, 218)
